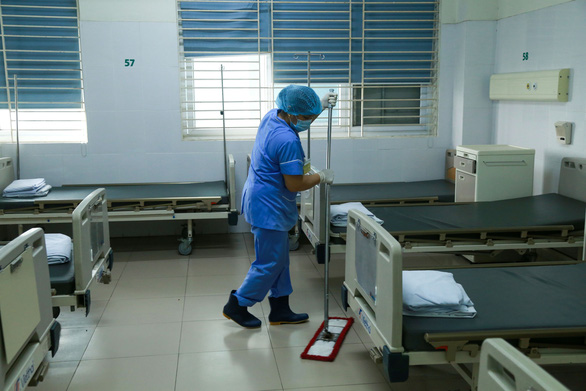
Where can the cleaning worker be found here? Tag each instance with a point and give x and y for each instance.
(277, 172)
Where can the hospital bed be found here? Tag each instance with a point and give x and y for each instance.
(521, 224)
(312, 214)
(540, 308)
(504, 368)
(28, 330)
(186, 201)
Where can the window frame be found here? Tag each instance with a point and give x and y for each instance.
(272, 32)
(42, 47)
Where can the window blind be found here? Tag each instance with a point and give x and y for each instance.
(40, 46)
(380, 56)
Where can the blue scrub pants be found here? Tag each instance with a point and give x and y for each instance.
(270, 270)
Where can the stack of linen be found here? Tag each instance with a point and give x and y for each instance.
(435, 294)
(24, 188)
(58, 248)
(339, 213)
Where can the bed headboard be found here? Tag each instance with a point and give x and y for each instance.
(573, 178)
(6, 172)
(374, 263)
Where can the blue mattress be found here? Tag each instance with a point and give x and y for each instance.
(121, 195)
(440, 190)
(514, 214)
(510, 298)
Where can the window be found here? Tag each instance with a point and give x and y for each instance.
(40, 56)
(380, 56)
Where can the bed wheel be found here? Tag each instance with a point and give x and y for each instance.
(55, 336)
(395, 366)
(56, 312)
(184, 247)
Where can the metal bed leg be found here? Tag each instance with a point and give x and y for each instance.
(470, 375)
(185, 243)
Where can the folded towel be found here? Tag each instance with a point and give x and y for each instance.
(25, 185)
(58, 248)
(43, 191)
(339, 213)
(22, 188)
(435, 294)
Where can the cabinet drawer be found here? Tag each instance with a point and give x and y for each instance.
(465, 187)
(467, 165)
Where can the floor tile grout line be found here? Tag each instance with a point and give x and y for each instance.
(180, 334)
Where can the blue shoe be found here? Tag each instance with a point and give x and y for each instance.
(281, 312)
(240, 314)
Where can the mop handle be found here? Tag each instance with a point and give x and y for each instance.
(327, 222)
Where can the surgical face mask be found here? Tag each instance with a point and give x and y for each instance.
(301, 125)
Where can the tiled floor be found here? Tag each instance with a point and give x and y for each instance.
(159, 326)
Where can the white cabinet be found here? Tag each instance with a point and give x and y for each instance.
(493, 172)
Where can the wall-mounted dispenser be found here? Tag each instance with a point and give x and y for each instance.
(563, 132)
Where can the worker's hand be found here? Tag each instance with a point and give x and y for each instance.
(326, 176)
(329, 97)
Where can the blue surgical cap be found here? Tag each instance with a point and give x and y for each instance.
(299, 100)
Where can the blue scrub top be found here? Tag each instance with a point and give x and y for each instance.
(266, 202)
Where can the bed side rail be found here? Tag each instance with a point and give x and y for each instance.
(6, 172)
(91, 238)
(573, 178)
(503, 368)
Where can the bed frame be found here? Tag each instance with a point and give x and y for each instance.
(374, 264)
(504, 368)
(572, 184)
(129, 202)
(28, 330)
(312, 212)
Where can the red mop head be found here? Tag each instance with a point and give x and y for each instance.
(324, 346)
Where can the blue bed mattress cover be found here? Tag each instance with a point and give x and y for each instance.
(441, 189)
(541, 210)
(155, 192)
(510, 298)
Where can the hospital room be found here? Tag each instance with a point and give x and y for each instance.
(293, 195)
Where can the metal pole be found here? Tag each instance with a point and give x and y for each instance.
(224, 125)
(16, 126)
(327, 224)
(309, 85)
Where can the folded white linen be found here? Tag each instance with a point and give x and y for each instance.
(25, 185)
(435, 294)
(339, 213)
(43, 191)
(58, 248)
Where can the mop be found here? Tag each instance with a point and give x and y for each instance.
(326, 342)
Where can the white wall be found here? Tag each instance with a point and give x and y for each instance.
(134, 130)
(467, 62)
(554, 38)
(134, 120)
